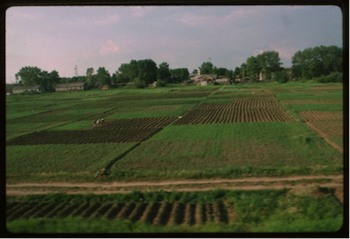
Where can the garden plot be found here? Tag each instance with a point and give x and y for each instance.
(181, 156)
(209, 147)
(83, 137)
(138, 123)
(321, 115)
(245, 110)
(71, 158)
(322, 107)
(312, 101)
(152, 213)
(235, 115)
(328, 128)
(248, 97)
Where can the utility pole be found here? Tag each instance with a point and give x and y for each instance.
(76, 70)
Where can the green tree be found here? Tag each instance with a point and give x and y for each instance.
(123, 73)
(163, 71)
(89, 76)
(195, 71)
(222, 71)
(180, 74)
(29, 75)
(147, 71)
(54, 79)
(268, 63)
(207, 68)
(252, 68)
(103, 76)
(236, 72)
(317, 61)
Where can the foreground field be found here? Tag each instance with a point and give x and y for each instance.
(270, 146)
(211, 211)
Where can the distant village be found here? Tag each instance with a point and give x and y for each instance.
(193, 79)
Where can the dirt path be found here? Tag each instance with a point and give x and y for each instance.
(185, 189)
(163, 183)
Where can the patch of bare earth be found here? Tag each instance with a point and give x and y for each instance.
(185, 185)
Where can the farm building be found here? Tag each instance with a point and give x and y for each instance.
(105, 87)
(222, 80)
(208, 78)
(29, 88)
(71, 86)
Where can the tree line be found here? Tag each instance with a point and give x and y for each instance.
(321, 63)
(140, 73)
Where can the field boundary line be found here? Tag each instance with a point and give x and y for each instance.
(184, 189)
(164, 183)
(325, 137)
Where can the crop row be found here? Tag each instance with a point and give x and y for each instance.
(161, 96)
(235, 115)
(256, 92)
(137, 123)
(312, 101)
(152, 213)
(321, 115)
(258, 97)
(239, 104)
(83, 136)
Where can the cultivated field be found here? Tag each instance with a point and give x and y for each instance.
(172, 134)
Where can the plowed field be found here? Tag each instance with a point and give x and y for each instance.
(152, 213)
(321, 115)
(83, 137)
(238, 114)
(329, 128)
(259, 97)
(138, 123)
(312, 101)
(238, 104)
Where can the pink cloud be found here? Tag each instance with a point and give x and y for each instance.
(108, 48)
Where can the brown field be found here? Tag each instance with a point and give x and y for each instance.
(313, 101)
(137, 123)
(83, 137)
(321, 115)
(328, 128)
(238, 104)
(256, 97)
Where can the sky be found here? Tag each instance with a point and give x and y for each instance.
(62, 37)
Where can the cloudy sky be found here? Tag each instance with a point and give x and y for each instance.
(58, 38)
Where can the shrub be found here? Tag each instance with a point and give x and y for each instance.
(332, 77)
(138, 83)
(160, 83)
(281, 76)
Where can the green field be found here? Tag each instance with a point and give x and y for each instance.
(51, 138)
(203, 150)
(240, 211)
(61, 158)
(192, 150)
